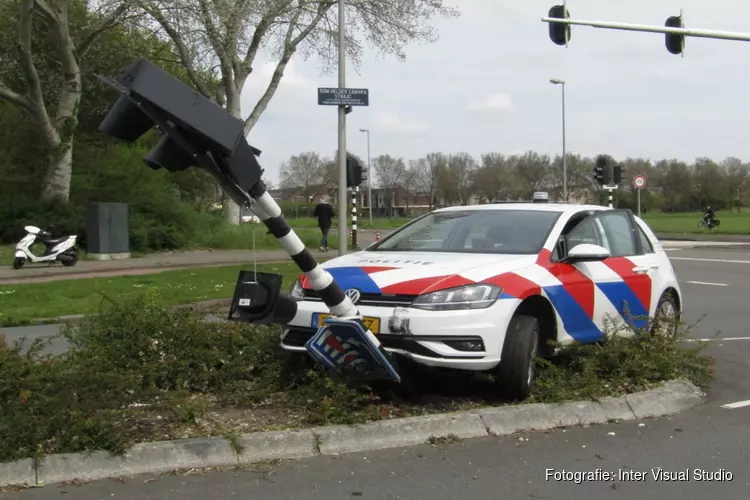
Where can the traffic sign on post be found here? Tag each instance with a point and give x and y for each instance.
(343, 97)
(639, 181)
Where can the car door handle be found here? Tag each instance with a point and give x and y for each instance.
(641, 269)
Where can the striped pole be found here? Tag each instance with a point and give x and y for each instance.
(321, 280)
(355, 192)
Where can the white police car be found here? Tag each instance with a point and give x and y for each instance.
(485, 287)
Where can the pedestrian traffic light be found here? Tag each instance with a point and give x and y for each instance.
(559, 33)
(353, 171)
(617, 174)
(675, 43)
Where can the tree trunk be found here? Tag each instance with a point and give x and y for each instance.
(231, 208)
(59, 171)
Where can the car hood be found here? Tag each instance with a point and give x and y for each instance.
(415, 273)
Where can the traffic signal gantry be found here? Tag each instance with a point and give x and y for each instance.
(607, 174)
(674, 29)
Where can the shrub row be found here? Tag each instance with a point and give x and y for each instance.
(139, 371)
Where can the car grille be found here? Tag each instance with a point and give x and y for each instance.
(297, 336)
(372, 299)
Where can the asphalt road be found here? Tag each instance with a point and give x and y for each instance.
(713, 439)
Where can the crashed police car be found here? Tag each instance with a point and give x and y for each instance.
(486, 287)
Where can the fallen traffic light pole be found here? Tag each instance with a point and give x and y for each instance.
(197, 132)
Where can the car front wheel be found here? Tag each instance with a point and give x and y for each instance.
(516, 373)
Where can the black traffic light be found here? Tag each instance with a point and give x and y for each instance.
(354, 171)
(196, 131)
(559, 33)
(675, 43)
(601, 170)
(617, 174)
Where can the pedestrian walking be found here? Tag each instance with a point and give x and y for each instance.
(324, 213)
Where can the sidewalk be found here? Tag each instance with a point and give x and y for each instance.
(148, 264)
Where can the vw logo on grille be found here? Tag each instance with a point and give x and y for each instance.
(353, 294)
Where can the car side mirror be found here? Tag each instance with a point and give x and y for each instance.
(586, 252)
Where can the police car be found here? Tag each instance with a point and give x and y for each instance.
(485, 287)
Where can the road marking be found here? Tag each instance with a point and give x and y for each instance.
(706, 283)
(738, 404)
(718, 339)
(723, 261)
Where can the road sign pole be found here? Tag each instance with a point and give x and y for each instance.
(355, 193)
(342, 136)
(639, 201)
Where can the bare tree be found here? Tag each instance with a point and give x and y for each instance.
(228, 35)
(303, 171)
(389, 170)
(55, 118)
(425, 173)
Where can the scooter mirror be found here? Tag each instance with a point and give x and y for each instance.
(257, 299)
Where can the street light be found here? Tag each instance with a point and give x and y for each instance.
(557, 81)
(369, 174)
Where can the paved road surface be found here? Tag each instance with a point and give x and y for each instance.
(712, 438)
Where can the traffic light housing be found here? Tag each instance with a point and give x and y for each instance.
(617, 174)
(355, 172)
(675, 43)
(559, 33)
(601, 170)
(196, 132)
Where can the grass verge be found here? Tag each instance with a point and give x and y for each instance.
(687, 223)
(21, 303)
(139, 371)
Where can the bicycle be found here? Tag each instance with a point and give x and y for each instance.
(709, 225)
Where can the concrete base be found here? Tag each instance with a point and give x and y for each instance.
(108, 256)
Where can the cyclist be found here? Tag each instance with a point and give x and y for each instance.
(708, 216)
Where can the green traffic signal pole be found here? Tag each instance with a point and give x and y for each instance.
(698, 33)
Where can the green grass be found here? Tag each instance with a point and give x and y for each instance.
(687, 222)
(20, 304)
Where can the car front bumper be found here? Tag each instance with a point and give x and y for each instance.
(465, 339)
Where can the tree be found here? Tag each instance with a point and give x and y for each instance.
(303, 171)
(52, 103)
(230, 34)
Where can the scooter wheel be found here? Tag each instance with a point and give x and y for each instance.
(18, 262)
(71, 261)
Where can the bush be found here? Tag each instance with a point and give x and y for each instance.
(138, 371)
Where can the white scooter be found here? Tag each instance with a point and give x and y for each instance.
(56, 249)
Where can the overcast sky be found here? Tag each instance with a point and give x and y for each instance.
(484, 87)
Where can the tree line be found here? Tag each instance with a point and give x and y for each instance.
(460, 178)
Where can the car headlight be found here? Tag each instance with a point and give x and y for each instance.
(297, 292)
(464, 297)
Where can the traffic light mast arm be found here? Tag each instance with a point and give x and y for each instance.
(698, 33)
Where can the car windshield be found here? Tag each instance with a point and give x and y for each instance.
(473, 231)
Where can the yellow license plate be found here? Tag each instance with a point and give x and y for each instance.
(373, 324)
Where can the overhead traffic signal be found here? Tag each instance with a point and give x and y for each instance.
(675, 43)
(559, 33)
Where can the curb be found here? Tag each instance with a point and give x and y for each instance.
(166, 456)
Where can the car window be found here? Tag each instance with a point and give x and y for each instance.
(645, 242)
(501, 231)
(619, 233)
(587, 231)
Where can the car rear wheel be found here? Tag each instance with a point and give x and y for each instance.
(516, 373)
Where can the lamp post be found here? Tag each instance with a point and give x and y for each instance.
(561, 83)
(369, 174)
